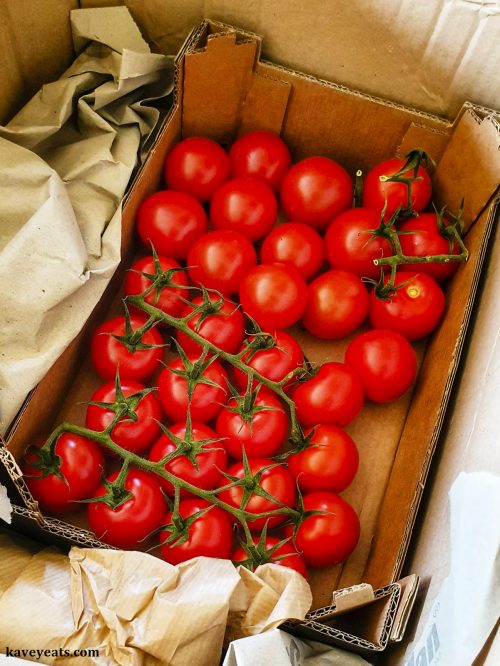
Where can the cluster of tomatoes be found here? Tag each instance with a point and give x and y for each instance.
(255, 436)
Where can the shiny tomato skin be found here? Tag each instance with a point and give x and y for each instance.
(210, 535)
(275, 295)
(337, 304)
(211, 462)
(198, 167)
(333, 396)
(220, 260)
(385, 362)
(315, 190)
(292, 560)
(329, 461)
(262, 155)
(82, 465)
(351, 247)
(295, 244)
(126, 526)
(136, 436)
(172, 222)
(414, 311)
(245, 205)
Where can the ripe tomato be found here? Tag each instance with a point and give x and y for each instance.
(297, 245)
(136, 436)
(275, 295)
(172, 222)
(209, 535)
(168, 298)
(130, 523)
(220, 260)
(108, 353)
(329, 461)
(245, 205)
(286, 554)
(261, 433)
(414, 311)
(225, 328)
(260, 154)
(385, 362)
(197, 166)
(334, 395)
(207, 399)
(337, 304)
(351, 245)
(276, 481)
(316, 190)
(82, 465)
(210, 462)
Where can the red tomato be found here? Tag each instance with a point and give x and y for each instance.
(414, 311)
(225, 328)
(172, 222)
(220, 260)
(297, 245)
(425, 239)
(276, 481)
(261, 433)
(81, 465)
(197, 166)
(210, 462)
(260, 154)
(207, 399)
(286, 555)
(245, 205)
(209, 535)
(351, 244)
(130, 523)
(316, 190)
(337, 304)
(108, 353)
(385, 362)
(168, 298)
(329, 461)
(136, 436)
(333, 396)
(275, 295)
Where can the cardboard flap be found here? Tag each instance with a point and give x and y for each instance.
(352, 597)
(409, 588)
(265, 105)
(430, 139)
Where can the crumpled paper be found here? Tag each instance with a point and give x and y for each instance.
(67, 158)
(5, 505)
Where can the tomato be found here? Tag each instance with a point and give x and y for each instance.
(281, 354)
(337, 304)
(220, 260)
(172, 222)
(166, 298)
(275, 295)
(276, 481)
(351, 244)
(210, 461)
(225, 328)
(286, 555)
(316, 190)
(261, 433)
(297, 245)
(197, 166)
(385, 362)
(108, 353)
(329, 461)
(209, 535)
(136, 436)
(245, 205)
(414, 311)
(262, 155)
(425, 239)
(126, 526)
(207, 399)
(323, 540)
(334, 395)
(81, 464)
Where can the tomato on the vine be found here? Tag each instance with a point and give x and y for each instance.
(295, 244)
(260, 154)
(285, 555)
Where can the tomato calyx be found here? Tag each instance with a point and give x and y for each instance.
(132, 339)
(258, 554)
(414, 160)
(160, 279)
(124, 407)
(193, 370)
(46, 461)
(116, 494)
(178, 529)
(245, 404)
(187, 445)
